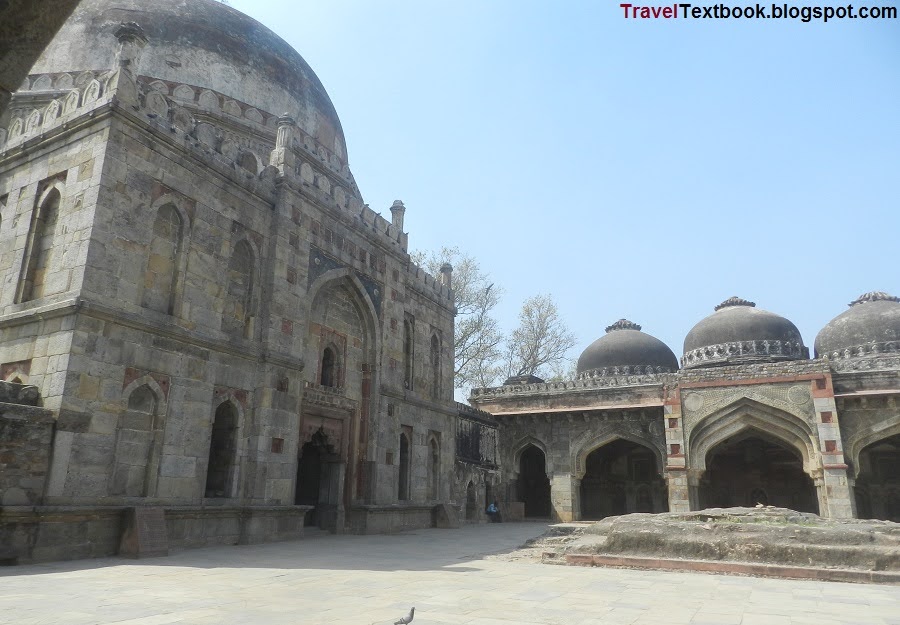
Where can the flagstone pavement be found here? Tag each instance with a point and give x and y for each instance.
(448, 575)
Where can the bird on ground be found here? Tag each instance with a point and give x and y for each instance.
(406, 619)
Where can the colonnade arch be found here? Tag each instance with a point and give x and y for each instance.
(749, 453)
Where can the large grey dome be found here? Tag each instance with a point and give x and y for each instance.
(871, 324)
(737, 333)
(624, 349)
(205, 45)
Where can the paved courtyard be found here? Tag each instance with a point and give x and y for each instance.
(446, 574)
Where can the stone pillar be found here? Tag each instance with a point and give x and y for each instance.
(128, 55)
(398, 210)
(447, 275)
(563, 494)
(693, 485)
(836, 498)
(282, 156)
(676, 466)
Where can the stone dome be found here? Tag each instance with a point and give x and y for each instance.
(870, 325)
(737, 333)
(625, 350)
(205, 45)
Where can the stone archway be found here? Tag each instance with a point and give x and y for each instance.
(725, 470)
(471, 503)
(877, 487)
(621, 477)
(318, 481)
(533, 484)
(753, 468)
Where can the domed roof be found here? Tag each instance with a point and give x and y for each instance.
(871, 324)
(206, 45)
(624, 349)
(737, 333)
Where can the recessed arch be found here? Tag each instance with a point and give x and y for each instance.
(605, 438)
(854, 446)
(222, 450)
(748, 414)
(39, 246)
(522, 445)
(242, 280)
(138, 439)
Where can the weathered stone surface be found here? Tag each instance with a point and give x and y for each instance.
(446, 517)
(22, 394)
(145, 533)
(765, 535)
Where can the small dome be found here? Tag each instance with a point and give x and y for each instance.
(737, 333)
(625, 350)
(870, 325)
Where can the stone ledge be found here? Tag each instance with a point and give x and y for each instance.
(729, 568)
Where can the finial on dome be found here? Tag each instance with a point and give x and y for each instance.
(735, 301)
(623, 324)
(874, 296)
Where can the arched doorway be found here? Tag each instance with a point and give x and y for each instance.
(878, 482)
(621, 477)
(316, 468)
(403, 481)
(749, 470)
(222, 449)
(471, 503)
(533, 483)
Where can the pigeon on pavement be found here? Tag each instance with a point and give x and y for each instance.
(406, 619)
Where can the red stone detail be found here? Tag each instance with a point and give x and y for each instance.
(830, 446)
(394, 325)
(675, 449)
(277, 445)
(20, 366)
(287, 326)
(826, 416)
(673, 423)
(821, 383)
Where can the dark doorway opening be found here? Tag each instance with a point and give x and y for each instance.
(403, 481)
(621, 477)
(533, 483)
(317, 457)
(753, 470)
(221, 451)
(878, 483)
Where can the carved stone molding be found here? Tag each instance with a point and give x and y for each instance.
(748, 351)
(862, 351)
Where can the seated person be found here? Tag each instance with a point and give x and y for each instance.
(494, 512)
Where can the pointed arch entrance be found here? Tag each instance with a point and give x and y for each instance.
(533, 484)
(318, 479)
(622, 477)
(751, 452)
(753, 468)
(878, 481)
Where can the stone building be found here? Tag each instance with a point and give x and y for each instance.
(215, 320)
(748, 418)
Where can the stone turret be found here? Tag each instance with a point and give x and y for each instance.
(398, 210)
(447, 275)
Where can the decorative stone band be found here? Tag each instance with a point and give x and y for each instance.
(744, 351)
(579, 384)
(624, 370)
(861, 351)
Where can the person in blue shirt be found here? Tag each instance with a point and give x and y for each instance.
(494, 512)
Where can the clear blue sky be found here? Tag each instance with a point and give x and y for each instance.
(639, 169)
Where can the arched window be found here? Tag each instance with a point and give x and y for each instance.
(403, 482)
(134, 442)
(329, 376)
(408, 353)
(248, 163)
(435, 367)
(239, 292)
(39, 248)
(163, 261)
(222, 448)
(434, 469)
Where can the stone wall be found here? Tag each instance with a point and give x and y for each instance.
(26, 434)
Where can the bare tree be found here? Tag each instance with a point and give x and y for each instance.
(477, 336)
(541, 341)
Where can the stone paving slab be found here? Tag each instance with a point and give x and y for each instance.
(446, 574)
